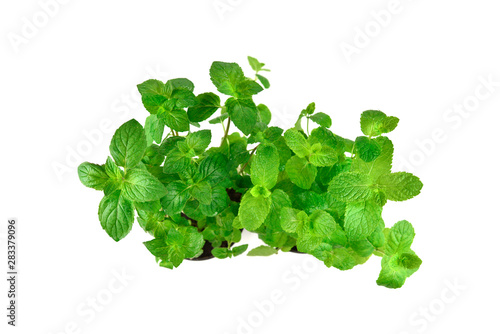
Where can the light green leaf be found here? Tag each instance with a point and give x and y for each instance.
(400, 186)
(400, 238)
(290, 219)
(301, 172)
(128, 144)
(323, 156)
(264, 114)
(221, 253)
(297, 143)
(263, 251)
(141, 186)
(207, 105)
(243, 113)
(255, 64)
(351, 187)
(322, 119)
(361, 219)
(238, 250)
(253, 211)
(381, 165)
(321, 223)
(218, 203)
(116, 214)
(93, 175)
(265, 166)
(279, 200)
(375, 122)
(394, 274)
(152, 87)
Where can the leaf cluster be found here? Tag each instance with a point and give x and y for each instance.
(307, 191)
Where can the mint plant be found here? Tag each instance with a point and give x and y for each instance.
(305, 189)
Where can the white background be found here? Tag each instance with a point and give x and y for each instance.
(78, 69)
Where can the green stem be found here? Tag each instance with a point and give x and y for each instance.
(251, 154)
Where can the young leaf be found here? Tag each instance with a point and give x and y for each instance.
(265, 166)
(264, 81)
(220, 253)
(263, 251)
(301, 172)
(264, 114)
(351, 187)
(375, 122)
(400, 186)
(297, 143)
(324, 156)
(400, 238)
(238, 250)
(116, 214)
(243, 113)
(202, 192)
(247, 88)
(183, 83)
(290, 219)
(152, 87)
(207, 104)
(367, 149)
(176, 119)
(141, 186)
(322, 224)
(93, 175)
(175, 162)
(218, 203)
(381, 165)
(394, 274)
(128, 144)
(226, 77)
(255, 64)
(253, 211)
(322, 119)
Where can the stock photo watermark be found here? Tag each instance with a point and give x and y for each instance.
(122, 108)
(89, 309)
(421, 319)
(453, 118)
(33, 24)
(223, 7)
(365, 34)
(263, 309)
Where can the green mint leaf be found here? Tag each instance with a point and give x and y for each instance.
(153, 129)
(141, 186)
(301, 172)
(375, 123)
(297, 143)
(255, 64)
(175, 162)
(207, 104)
(264, 114)
(182, 83)
(247, 88)
(265, 166)
(361, 219)
(321, 224)
(218, 203)
(176, 119)
(116, 214)
(128, 144)
(199, 141)
(243, 113)
(214, 170)
(175, 199)
(308, 243)
(409, 261)
(264, 81)
(152, 87)
(291, 219)
(381, 165)
(394, 273)
(263, 251)
(202, 192)
(226, 77)
(310, 108)
(93, 175)
(279, 200)
(351, 187)
(323, 156)
(322, 119)
(367, 149)
(219, 119)
(339, 258)
(253, 211)
(238, 250)
(183, 98)
(400, 238)
(221, 253)
(400, 186)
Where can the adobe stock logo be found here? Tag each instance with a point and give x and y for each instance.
(31, 26)
(372, 29)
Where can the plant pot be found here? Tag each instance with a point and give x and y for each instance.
(295, 250)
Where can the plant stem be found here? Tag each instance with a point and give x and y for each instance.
(251, 154)
(226, 132)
